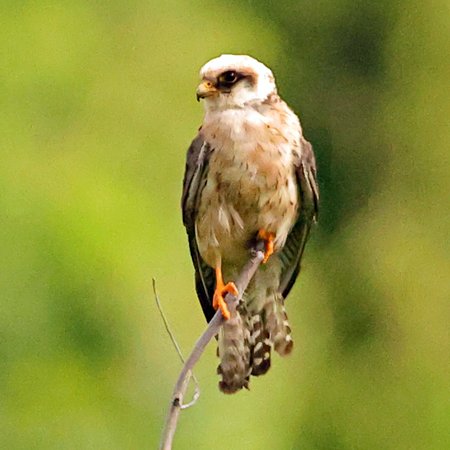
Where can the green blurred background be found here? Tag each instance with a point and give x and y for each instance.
(98, 107)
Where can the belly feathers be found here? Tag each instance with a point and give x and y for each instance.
(244, 194)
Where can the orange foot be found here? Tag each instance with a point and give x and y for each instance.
(221, 291)
(268, 238)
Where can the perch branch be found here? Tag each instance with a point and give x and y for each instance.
(212, 329)
(177, 348)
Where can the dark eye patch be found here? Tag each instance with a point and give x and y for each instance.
(228, 78)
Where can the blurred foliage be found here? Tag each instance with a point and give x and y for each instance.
(98, 107)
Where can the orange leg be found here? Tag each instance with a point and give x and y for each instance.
(220, 292)
(268, 238)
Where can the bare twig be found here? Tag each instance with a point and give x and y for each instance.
(196, 394)
(212, 329)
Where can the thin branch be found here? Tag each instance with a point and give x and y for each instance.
(196, 394)
(212, 329)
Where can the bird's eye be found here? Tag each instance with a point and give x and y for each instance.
(228, 78)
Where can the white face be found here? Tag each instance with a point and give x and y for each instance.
(232, 81)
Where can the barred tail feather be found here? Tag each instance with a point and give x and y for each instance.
(277, 325)
(234, 354)
(260, 347)
(259, 324)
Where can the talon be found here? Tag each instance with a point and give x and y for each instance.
(219, 295)
(221, 291)
(268, 239)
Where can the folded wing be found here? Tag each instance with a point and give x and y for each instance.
(291, 253)
(195, 176)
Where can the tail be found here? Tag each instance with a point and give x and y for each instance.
(259, 324)
(234, 351)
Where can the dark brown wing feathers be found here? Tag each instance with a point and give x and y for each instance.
(292, 251)
(194, 181)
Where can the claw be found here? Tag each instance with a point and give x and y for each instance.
(268, 239)
(221, 291)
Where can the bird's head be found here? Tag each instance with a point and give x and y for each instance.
(232, 81)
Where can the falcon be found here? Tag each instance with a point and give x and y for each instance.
(250, 176)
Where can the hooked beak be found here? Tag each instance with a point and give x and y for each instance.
(206, 89)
